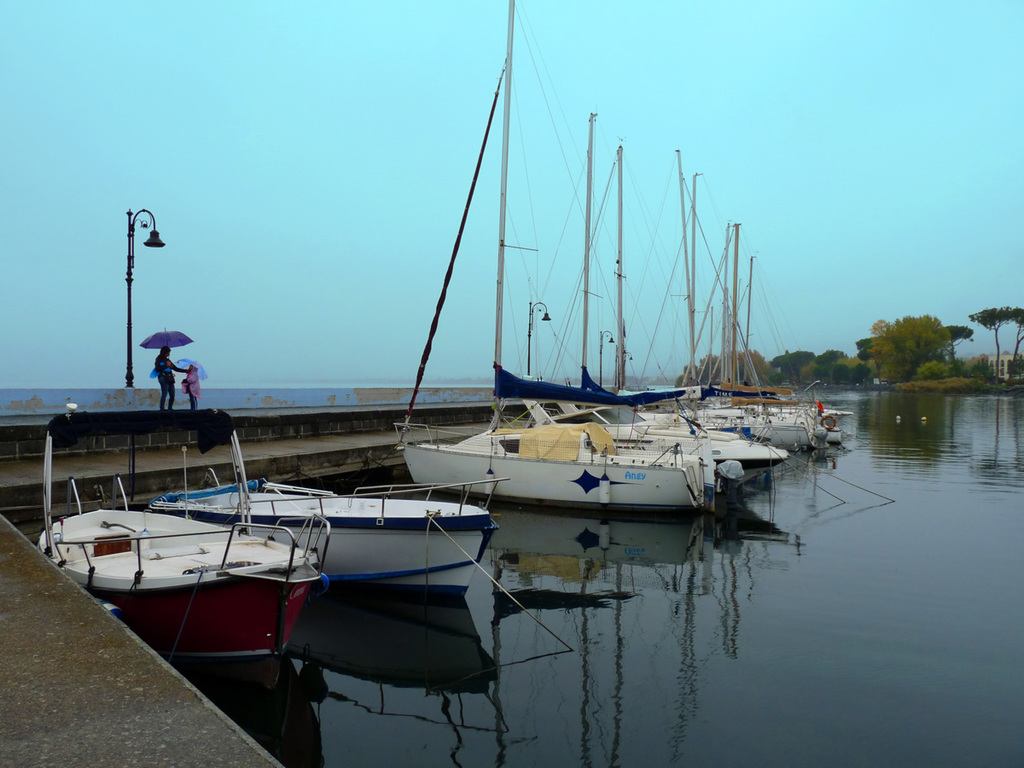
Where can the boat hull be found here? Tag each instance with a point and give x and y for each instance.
(237, 619)
(396, 544)
(564, 484)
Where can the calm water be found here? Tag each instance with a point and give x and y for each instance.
(864, 611)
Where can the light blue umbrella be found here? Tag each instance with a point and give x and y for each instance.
(185, 363)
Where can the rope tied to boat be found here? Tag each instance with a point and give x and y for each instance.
(432, 521)
(184, 618)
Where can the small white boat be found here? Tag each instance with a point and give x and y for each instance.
(400, 537)
(649, 429)
(192, 591)
(568, 465)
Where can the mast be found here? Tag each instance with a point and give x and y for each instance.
(503, 185)
(693, 256)
(686, 260)
(750, 292)
(620, 350)
(734, 319)
(586, 242)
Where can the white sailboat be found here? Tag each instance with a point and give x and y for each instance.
(566, 465)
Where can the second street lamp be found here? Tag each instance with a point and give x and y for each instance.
(600, 356)
(529, 331)
(153, 241)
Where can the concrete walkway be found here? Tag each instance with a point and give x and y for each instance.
(79, 688)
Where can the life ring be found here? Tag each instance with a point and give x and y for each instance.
(828, 422)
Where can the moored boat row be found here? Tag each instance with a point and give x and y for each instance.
(223, 574)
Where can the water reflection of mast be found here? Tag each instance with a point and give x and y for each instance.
(499, 717)
(688, 687)
(619, 676)
(585, 759)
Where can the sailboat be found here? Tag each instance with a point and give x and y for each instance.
(569, 465)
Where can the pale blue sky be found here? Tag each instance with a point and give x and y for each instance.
(308, 165)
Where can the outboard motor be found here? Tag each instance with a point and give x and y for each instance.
(730, 474)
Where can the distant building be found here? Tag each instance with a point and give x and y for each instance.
(1002, 369)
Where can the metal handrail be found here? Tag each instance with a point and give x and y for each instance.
(135, 538)
(72, 491)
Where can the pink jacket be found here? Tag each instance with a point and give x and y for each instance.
(190, 384)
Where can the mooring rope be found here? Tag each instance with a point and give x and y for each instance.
(185, 617)
(866, 490)
(499, 586)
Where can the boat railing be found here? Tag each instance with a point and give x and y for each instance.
(152, 546)
(430, 434)
(73, 502)
(72, 494)
(284, 488)
(425, 490)
(314, 531)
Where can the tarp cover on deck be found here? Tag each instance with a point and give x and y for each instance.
(213, 427)
(739, 401)
(561, 442)
(507, 386)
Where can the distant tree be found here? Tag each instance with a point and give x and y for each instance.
(932, 370)
(840, 374)
(860, 373)
(1018, 319)
(706, 370)
(957, 334)
(791, 363)
(993, 319)
(864, 351)
(761, 368)
(978, 368)
(876, 350)
(827, 361)
(899, 348)
(807, 373)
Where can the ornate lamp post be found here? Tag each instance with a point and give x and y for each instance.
(529, 332)
(153, 241)
(600, 356)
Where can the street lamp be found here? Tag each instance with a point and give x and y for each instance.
(600, 356)
(529, 332)
(153, 241)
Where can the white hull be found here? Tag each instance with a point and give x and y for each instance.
(565, 483)
(397, 543)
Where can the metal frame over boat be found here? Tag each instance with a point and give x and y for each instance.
(193, 591)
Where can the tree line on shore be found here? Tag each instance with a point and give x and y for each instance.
(911, 349)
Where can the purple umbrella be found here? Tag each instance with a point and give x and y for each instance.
(165, 339)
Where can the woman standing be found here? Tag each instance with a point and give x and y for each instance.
(165, 374)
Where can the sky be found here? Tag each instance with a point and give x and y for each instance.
(308, 166)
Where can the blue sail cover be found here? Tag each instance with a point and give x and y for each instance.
(507, 386)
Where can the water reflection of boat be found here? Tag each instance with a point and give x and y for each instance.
(575, 548)
(280, 718)
(404, 643)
